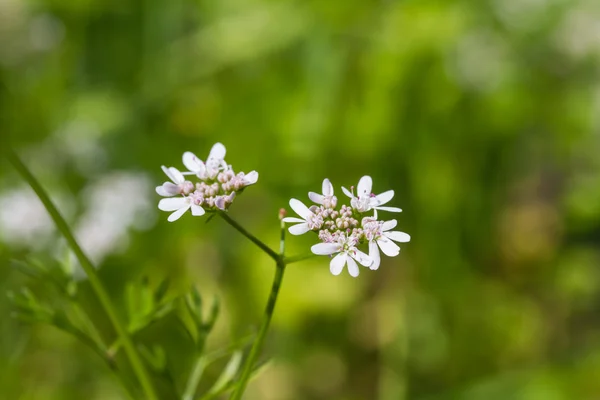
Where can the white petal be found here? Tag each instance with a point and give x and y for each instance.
(299, 229)
(364, 185)
(325, 249)
(217, 152)
(172, 204)
(327, 188)
(347, 192)
(167, 189)
(374, 254)
(384, 197)
(175, 216)
(361, 257)
(352, 267)
(300, 208)
(391, 209)
(173, 174)
(251, 178)
(197, 210)
(293, 219)
(388, 247)
(398, 236)
(387, 225)
(193, 163)
(315, 197)
(337, 264)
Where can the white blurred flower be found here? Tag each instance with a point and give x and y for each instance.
(366, 200)
(327, 199)
(379, 236)
(214, 163)
(347, 253)
(309, 220)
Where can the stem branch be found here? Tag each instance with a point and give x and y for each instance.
(272, 253)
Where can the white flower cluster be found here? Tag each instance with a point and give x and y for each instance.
(342, 230)
(216, 189)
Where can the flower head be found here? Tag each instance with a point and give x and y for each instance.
(347, 253)
(379, 236)
(215, 189)
(365, 200)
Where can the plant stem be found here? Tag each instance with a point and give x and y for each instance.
(295, 259)
(95, 282)
(264, 327)
(272, 253)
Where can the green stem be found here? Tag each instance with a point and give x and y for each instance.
(194, 378)
(95, 282)
(264, 327)
(272, 253)
(295, 259)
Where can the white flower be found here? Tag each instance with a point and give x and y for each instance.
(366, 200)
(213, 165)
(379, 237)
(180, 205)
(327, 199)
(309, 219)
(178, 186)
(347, 253)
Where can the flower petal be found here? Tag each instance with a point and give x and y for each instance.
(337, 264)
(384, 197)
(361, 257)
(387, 225)
(217, 152)
(167, 189)
(299, 229)
(398, 236)
(172, 204)
(300, 208)
(177, 214)
(391, 209)
(293, 219)
(388, 247)
(192, 162)
(327, 188)
(251, 178)
(197, 210)
(325, 249)
(315, 197)
(347, 192)
(364, 186)
(374, 254)
(352, 267)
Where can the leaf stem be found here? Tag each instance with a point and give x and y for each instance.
(95, 282)
(272, 253)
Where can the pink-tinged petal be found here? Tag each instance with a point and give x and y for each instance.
(300, 208)
(361, 257)
(299, 229)
(217, 152)
(347, 192)
(374, 254)
(337, 264)
(388, 247)
(197, 210)
(398, 236)
(251, 178)
(177, 214)
(293, 219)
(167, 189)
(352, 267)
(390, 209)
(315, 197)
(172, 204)
(387, 225)
(327, 187)
(325, 249)
(364, 186)
(384, 197)
(193, 163)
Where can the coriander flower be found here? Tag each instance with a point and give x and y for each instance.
(347, 253)
(327, 199)
(366, 200)
(180, 205)
(210, 169)
(309, 220)
(379, 236)
(178, 185)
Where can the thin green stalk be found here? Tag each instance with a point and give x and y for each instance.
(194, 379)
(95, 282)
(272, 253)
(295, 259)
(264, 327)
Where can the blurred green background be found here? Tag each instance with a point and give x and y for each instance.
(483, 116)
